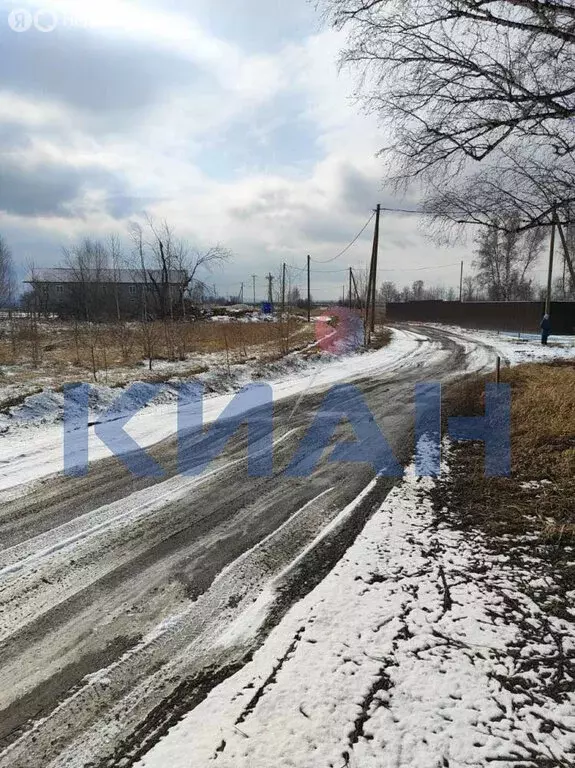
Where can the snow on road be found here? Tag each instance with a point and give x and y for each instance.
(402, 656)
(419, 649)
(30, 453)
(518, 348)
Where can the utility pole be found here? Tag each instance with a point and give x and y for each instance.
(350, 288)
(368, 297)
(309, 288)
(254, 282)
(550, 273)
(461, 284)
(242, 294)
(270, 279)
(359, 300)
(374, 271)
(284, 288)
(568, 259)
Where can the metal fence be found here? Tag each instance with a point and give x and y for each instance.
(493, 315)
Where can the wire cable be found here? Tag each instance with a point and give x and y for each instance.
(347, 247)
(389, 269)
(404, 210)
(421, 269)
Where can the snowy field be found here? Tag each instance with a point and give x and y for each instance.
(412, 652)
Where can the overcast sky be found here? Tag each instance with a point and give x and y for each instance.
(226, 117)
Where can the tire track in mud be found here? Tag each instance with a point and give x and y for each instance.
(169, 568)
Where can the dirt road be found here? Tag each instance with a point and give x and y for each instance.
(123, 601)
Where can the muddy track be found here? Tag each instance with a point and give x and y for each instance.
(147, 586)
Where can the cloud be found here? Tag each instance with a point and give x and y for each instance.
(91, 72)
(256, 25)
(277, 135)
(12, 137)
(233, 124)
(55, 190)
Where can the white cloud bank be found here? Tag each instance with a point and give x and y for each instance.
(262, 150)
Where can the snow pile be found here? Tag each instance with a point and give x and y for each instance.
(47, 407)
(418, 650)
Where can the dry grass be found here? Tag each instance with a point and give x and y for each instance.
(381, 338)
(52, 352)
(542, 417)
(532, 513)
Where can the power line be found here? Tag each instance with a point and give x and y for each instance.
(421, 269)
(424, 213)
(347, 247)
(406, 210)
(328, 271)
(456, 216)
(395, 269)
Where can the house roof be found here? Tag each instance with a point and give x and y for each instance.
(125, 276)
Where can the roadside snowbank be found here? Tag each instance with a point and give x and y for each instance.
(30, 451)
(407, 654)
(47, 407)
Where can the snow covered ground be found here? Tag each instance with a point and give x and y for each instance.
(31, 438)
(32, 448)
(519, 348)
(420, 649)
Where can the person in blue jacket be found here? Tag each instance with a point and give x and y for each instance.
(545, 329)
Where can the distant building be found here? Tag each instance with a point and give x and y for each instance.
(107, 294)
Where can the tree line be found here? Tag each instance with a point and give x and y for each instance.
(161, 270)
(165, 272)
(504, 257)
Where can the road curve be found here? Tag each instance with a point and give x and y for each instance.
(123, 601)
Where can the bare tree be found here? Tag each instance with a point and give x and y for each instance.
(173, 265)
(88, 265)
(147, 330)
(7, 275)
(470, 290)
(191, 261)
(8, 289)
(457, 79)
(524, 187)
(35, 308)
(418, 290)
(362, 281)
(388, 292)
(567, 286)
(116, 258)
(163, 247)
(167, 267)
(504, 258)
(87, 262)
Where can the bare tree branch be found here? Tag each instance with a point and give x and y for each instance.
(461, 79)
